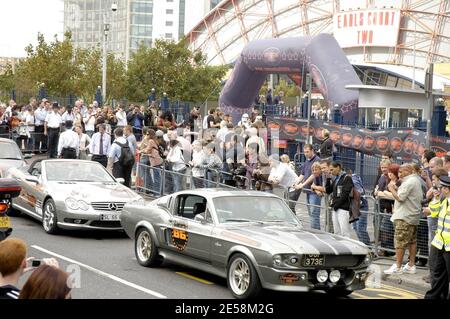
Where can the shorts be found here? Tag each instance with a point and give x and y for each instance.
(405, 234)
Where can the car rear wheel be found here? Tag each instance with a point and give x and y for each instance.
(145, 249)
(49, 219)
(242, 278)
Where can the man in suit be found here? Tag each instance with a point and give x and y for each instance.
(340, 189)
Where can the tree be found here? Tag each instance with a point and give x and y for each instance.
(6, 83)
(172, 68)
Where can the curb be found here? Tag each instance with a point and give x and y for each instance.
(414, 281)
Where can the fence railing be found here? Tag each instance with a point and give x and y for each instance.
(374, 228)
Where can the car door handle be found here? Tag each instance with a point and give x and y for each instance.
(217, 244)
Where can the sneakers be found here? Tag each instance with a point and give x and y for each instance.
(408, 269)
(393, 270)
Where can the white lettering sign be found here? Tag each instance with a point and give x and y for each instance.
(376, 28)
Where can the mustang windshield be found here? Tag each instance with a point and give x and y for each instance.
(10, 151)
(76, 172)
(253, 209)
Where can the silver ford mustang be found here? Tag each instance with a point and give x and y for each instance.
(71, 194)
(250, 238)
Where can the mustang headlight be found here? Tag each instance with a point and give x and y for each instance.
(335, 275)
(368, 259)
(277, 260)
(72, 203)
(322, 276)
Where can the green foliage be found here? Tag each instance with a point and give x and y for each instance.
(65, 70)
(172, 68)
(289, 89)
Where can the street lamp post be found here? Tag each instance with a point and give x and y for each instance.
(105, 39)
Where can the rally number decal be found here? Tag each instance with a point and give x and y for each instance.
(179, 239)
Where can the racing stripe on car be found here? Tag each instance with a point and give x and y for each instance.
(334, 246)
(321, 246)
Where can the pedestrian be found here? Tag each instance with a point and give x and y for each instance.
(440, 248)
(198, 156)
(135, 120)
(340, 189)
(120, 158)
(47, 282)
(52, 127)
(406, 216)
(283, 175)
(327, 147)
(121, 117)
(84, 141)
(29, 121)
(177, 164)
(156, 161)
(304, 182)
(69, 143)
(211, 164)
(68, 115)
(100, 146)
(131, 138)
(89, 121)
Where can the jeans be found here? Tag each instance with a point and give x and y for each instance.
(144, 172)
(178, 180)
(157, 179)
(293, 197)
(314, 211)
(340, 222)
(360, 227)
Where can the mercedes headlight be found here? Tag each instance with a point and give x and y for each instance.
(72, 203)
(83, 205)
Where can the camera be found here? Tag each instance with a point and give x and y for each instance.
(36, 263)
(114, 7)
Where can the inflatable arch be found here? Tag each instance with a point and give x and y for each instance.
(321, 55)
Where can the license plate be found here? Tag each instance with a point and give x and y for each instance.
(313, 260)
(109, 217)
(5, 222)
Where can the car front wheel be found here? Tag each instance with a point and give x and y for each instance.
(49, 219)
(145, 249)
(242, 278)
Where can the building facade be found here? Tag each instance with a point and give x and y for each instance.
(135, 22)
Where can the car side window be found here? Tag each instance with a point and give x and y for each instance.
(36, 170)
(191, 205)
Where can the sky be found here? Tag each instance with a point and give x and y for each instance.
(21, 20)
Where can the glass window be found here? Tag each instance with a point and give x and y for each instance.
(142, 7)
(169, 11)
(168, 35)
(141, 19)
(169, 23)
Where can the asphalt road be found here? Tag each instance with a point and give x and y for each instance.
(103, 265)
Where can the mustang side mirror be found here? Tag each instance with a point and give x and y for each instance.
(32, 179)
(120, 180)
(200, 218)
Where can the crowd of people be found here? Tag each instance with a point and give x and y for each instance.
(216, 150)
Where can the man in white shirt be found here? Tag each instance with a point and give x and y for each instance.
(39, 118)
(29, 121)
(52, 127)
(100, 146)
(282, 174)
(121, 116)
(68, 115)
(89, 121)
(69, 143)
(114, 154)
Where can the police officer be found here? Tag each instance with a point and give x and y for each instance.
(69, 143)
(439, 258)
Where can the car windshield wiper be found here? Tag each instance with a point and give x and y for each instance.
(243, 220)
(11, 158)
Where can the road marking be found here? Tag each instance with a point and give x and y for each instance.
(355, 294)
(404, 290)
(101, 273)
(203, 281)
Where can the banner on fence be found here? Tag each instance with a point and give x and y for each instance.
(404, 143)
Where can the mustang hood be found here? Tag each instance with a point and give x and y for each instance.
(297, 240)
(92, 192)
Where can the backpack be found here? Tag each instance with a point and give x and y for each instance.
(126, 158)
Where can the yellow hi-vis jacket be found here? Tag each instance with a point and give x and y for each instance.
(442, 236)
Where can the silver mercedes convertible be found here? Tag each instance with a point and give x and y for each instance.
(70, 194)
(250, 238)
